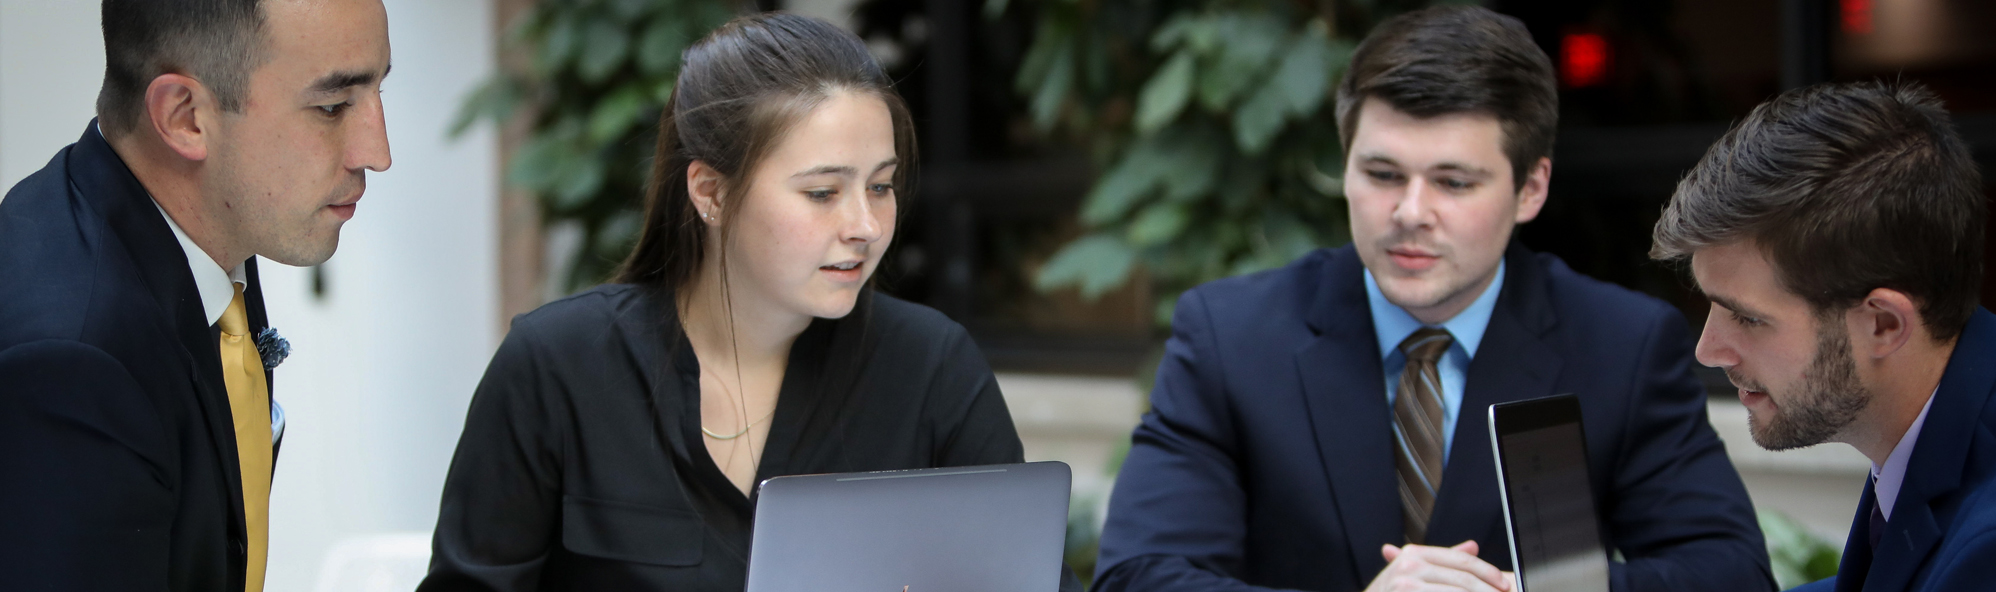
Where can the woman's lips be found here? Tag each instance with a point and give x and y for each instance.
(844, 275)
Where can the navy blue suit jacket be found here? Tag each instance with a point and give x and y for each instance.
(118, 465)
(1266, 459)
(1942, 535)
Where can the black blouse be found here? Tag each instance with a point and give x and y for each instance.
(581, 466)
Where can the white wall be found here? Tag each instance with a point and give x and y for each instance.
(51, 63)
(383, 365)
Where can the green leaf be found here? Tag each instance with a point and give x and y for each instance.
(1096, 263)
(993, 9)
(1052, 93)
(1127, 182)
(659, 48)
(1304, 78)
(615, 114)
(537, 163)
(558, 47)
(1195, 164)
(1252, 41)
(617, 233)
(578, 183)
(628, 10)
(606, 44)
(1260, 119)
(494, 100)
(1158, 224)
(1097, 68)
(1173, 31)
(1163, 309)
(1164, 96)
(1053, 40)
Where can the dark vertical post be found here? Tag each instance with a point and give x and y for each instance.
(951, 221)
(1805, 42)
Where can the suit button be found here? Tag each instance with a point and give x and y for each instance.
(241, 549)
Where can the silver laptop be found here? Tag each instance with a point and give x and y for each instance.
(996, 528)
(1554, 533)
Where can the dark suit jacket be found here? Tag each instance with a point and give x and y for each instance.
(118, 462)
(1942, 535)
(1266, 459)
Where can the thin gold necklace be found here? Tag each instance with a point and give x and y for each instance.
(745, 429)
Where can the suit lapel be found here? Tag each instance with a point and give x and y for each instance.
(103, 180)
(258, 321)
(1511, 363)
(1940, 459)
(1856, 563)
(1345, 397)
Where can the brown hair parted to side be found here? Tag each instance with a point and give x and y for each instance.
(1845, 188)
(218, 42)
(1458, 59)
(739, 91)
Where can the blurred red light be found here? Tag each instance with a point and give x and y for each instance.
(1584, 59)
(1856, 16)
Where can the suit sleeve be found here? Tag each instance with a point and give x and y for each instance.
(1178, 515)
(502, 497)
(1679, 512)
(90, 493)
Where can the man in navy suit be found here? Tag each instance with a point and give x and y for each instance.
(1321, 426)
(1838, 232)
(137, 432)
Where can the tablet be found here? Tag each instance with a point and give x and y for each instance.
(1542, 478)
(994, 528)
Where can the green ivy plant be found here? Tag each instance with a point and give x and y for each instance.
(600, 71)
(1797, 555)
(1214, 123)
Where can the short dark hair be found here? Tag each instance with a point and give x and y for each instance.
(218, 42)
(1846, 188)
(1458, 59)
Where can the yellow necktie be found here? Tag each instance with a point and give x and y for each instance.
(249, 403)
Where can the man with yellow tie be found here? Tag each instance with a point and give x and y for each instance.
(137, 429)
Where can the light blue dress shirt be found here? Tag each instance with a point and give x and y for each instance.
(1392, 325)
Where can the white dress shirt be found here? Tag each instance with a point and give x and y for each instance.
(1887, 479)
(217, 289)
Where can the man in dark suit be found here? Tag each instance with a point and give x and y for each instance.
(1320, 426)
(137, 433)
(1838, 232)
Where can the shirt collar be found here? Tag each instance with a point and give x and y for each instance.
(1392, 324)
(217, 287)
(1887, 479)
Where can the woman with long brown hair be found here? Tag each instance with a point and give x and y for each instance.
(617, 437)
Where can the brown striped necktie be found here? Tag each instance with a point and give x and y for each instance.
(1417, 429)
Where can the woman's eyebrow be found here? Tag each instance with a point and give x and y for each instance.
(828, 169)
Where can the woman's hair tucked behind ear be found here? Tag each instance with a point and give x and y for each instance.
(739, 92)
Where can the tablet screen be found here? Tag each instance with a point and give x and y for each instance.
(1555, 539)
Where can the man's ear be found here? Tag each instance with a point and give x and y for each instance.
(1532, 195)
(179, 112)
(1885, 321)
(704, 186)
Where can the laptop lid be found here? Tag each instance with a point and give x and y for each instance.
(995, 528)
(1541, 456)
